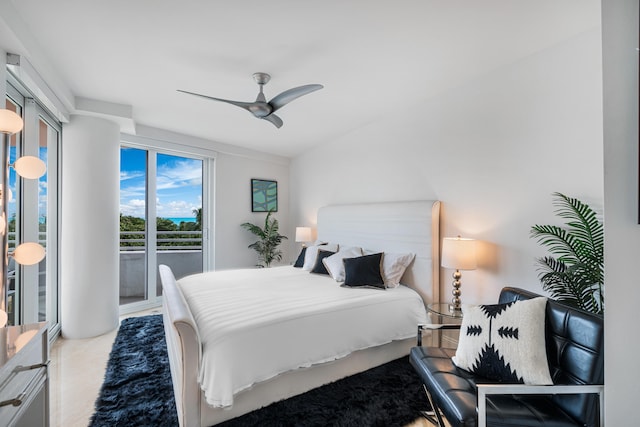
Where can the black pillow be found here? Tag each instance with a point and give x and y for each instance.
(300, 261)
(319, 267)
(363, 271)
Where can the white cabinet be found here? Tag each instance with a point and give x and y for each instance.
(24, 376)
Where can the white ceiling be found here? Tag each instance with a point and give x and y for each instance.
(375, 58)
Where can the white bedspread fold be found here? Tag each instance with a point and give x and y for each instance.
(255, 324)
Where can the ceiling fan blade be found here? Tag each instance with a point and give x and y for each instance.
(287, 96)
(245, 105)
(277, 121)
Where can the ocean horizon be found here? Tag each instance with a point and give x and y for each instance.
(178, 219)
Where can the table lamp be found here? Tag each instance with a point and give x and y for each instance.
(303, 234)
(460, 254)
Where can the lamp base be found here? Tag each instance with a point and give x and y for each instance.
(456, 303)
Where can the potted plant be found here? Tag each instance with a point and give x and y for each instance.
(269, 240)
(575, 274)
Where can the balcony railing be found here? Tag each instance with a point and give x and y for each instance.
(182, 250)
(166, 240)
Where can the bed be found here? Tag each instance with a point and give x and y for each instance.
(193, 314)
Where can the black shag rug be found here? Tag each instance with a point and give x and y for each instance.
(137, 390)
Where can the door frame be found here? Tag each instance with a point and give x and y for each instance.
(208, 163)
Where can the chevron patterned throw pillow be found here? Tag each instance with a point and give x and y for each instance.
(505, 342)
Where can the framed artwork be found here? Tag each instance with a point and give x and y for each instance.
(264, 195)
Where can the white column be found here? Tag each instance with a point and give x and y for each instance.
(90, 227)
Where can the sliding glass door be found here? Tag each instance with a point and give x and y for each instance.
(33, 214)
(133, 225)
(169, 189)
(178, 213)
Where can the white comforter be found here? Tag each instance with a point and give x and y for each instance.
(255, 324)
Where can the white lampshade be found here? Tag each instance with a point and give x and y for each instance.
(30, 167)
(9, 194)
(29, 253)
(458, 253)
(3, 225)
(303, 234)
(10, 122)
(3, 318)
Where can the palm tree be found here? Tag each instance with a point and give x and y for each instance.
(576, 275)
(269, 240)
(198, 213)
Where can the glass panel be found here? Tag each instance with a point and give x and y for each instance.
(13, 290)
(47, 136)
(179, 215)
(32, 213)
(47, 218)
(133, 195)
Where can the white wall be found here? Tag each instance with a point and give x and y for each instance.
(233, 207)
(3, 73)
(492, 150)
(89, 250)
(622, 232)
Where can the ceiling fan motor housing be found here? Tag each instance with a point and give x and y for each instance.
(260, 109)
(261, 78)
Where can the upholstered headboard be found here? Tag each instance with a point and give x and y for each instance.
(395, 227)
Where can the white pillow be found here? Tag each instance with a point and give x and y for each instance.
(334, 264)
(312, 253)
(394, 266)
(505, 342)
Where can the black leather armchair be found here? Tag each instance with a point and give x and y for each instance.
(575, 353)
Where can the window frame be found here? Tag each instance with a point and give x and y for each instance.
(208, 158)
(26, 288)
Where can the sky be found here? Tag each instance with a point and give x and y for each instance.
(178, 180)
(42, 183)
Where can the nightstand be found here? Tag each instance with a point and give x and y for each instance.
(24, 375)
(440, 313)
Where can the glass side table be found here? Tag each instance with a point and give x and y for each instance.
(440, 313)
(442, 309)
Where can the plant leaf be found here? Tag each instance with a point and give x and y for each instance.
(576, 275)
(269, 240)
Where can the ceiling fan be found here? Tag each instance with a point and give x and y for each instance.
(262, 109)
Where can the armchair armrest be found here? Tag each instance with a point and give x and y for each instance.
(486, 389)
(433, 326)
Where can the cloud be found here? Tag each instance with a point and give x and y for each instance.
(133, 207)
(180, 173)
(131, 174)
(178, 183)
(175, 208)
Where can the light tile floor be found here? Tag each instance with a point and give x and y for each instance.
(76, 372)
